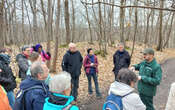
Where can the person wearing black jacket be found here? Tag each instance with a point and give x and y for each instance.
(7, 79)
(121, 59)
(23, 62)
(72, 63)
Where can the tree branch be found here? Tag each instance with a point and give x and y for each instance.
(128, 6)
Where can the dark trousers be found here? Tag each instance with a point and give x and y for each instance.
(148, 101)
(74, 87)
(95, 78)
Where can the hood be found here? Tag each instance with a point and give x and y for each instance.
(120, 89)
(20, 56)
(5, 58)
(37, 46)
(29, 82)
(62, 99)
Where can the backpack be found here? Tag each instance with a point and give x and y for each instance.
(20, 98)
(114, 102)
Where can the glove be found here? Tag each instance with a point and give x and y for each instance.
(48, 53)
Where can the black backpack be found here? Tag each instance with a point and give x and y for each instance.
(20, 98)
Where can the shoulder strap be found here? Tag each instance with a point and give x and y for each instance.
(128, 94)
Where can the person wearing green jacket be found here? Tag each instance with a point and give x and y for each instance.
(150, 75)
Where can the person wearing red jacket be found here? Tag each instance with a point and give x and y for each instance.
(90, 64)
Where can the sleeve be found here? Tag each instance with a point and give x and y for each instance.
(81, 60)
(96, 62)
(138, 103)
(47, 55)
(85, 64)
(137, 66)
(65, 63)
(128, 59)
(114, 59)
(155, 80)
(23, 65)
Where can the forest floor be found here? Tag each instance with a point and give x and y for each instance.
(106, 76)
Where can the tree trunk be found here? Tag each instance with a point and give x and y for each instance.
(66, 14)
(135, 28)
(1, 23)
(57, 36)
(122, 16)
(159, 47)
(73, 21)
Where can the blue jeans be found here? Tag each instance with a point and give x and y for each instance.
(11, 98)
(95, 78)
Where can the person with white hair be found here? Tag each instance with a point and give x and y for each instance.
(59, 99)
(121, 59)
(72, 63)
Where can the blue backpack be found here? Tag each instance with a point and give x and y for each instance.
(114, 102)
(20, 98)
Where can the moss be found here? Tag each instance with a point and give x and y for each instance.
(102, 53)
(63, 46)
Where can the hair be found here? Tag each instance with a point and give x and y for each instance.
(2, 50)
(72, 45)
(88, 50)
(120, 44)
(25, 47)
(126, 76)
(34, 56)
(36, 68)
(60, 82)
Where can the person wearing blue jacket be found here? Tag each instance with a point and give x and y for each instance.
(35, 98)
(59, 99)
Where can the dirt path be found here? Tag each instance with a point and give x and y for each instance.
(159, 100)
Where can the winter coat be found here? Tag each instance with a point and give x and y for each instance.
(72, 63)
(121, 60)
(87, 64)
(59, 102)
(4, 103)
(151, 75)
(35, 98)
(23, 65)
(7, 79)
(171, 102)
(131, 101)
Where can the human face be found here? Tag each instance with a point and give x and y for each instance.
(121, 48)
(27, 51)
(148, 57)
(73, 49)
(39, 50)
(91, 53)
(44, 75)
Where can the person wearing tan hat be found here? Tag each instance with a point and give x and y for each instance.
(150, 75)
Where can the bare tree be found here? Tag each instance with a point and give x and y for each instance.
(159, 46)
(66, 14)
(57, 35)
(1, 22)
(122, 16)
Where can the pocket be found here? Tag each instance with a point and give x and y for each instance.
(148, 71)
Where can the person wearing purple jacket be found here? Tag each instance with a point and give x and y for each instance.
(90, 64)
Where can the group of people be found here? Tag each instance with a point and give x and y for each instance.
(41, 91)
